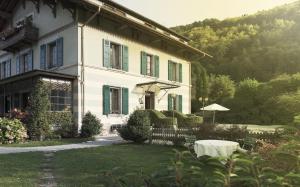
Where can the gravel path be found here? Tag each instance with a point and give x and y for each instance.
(102, 141)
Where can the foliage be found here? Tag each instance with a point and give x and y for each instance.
(91, 125)
(12, 131)
(184, 120)
(38, 125)
(63, 124)
(20, 115)
(221, 87)
(137, 128)
(159, 120)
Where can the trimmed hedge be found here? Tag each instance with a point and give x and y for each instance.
(159, 120)
(63, 124)
(91, 125)
(185, 120)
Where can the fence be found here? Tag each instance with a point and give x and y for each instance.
(165, 135)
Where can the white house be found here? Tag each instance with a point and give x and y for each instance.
(98, 56)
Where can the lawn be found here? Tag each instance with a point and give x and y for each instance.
(85, 167)
(48, 142)
(20, 169)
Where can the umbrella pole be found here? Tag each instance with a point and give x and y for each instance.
(214, 117)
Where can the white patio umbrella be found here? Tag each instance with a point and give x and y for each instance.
(214, 107)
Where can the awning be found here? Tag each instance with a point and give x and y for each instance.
(158, 84)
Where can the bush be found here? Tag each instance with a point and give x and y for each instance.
(138, 127)
(159, 120)
(12, 131)
(91, 125)
(63, 124)
(185, 120)
(38, 125)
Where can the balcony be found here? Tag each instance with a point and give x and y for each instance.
(14, 39)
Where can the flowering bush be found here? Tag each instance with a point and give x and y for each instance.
(11, 131)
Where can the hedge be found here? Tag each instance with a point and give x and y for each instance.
(12, 131)
(185, 120)
(159, 120)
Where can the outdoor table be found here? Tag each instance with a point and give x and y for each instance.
(215, 148)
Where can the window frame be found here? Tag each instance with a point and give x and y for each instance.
(49, 53)
(175, 71)
(119, 55)
(112, 100)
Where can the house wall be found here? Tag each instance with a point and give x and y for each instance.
(96, 76)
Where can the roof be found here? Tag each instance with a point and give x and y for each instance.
(36, 73)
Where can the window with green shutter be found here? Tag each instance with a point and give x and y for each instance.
(106, 99)
(180, 103)
(180, 72)
(174, 71)
(143, 63)
(106, 53)
(170, 70)
(125, 101)
(156, 62)
(170, 102)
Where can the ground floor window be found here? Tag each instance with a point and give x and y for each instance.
(60, 94)
(115, 100)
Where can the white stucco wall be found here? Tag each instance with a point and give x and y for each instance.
(96, 76)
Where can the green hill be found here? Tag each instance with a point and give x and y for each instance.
(260, 46)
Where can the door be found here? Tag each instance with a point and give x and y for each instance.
(150, 100)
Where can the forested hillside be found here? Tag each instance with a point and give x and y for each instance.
(259, 46)
(255, 67)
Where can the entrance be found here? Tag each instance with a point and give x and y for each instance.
(149, 100)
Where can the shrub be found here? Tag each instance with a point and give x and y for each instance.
(138, 127)
(159, 120)
(63, 124)
(38, 125)
(185, 120)
(91, 125)
(11, 131)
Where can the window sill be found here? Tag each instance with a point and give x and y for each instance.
(115, 115)
(116, 70)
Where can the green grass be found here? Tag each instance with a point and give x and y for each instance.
(48, 142)
(20, 169)
(84, 167)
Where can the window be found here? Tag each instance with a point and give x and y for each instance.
(5, 69)
(52, 60)
(24, 63)
(175, 71)
(115, 100)
(60, 94)
(115, 56)
(175, 102)
(150, 65)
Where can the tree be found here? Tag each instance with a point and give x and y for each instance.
(221, 88)
(38, 124)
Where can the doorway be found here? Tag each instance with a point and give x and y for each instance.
(149, 100)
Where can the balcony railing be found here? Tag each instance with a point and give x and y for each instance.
(16, 38)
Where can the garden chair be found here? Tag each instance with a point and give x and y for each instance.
(190, 141)
(249, 143)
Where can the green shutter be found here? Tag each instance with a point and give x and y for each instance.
(106, 53)
(170, 72)
(106, 99)
(30, 60)
(143, 63)
(125, 58)
(156, 62)
(170, 102)
(43, 57)
(179, 99)
(180, 72)
(125, 98)
(18, 65)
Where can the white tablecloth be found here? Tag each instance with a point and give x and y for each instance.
(215, 148)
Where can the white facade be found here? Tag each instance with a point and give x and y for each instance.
(95, 74)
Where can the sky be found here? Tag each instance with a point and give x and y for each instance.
(181, 12)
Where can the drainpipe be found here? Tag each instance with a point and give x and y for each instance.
(82, 73)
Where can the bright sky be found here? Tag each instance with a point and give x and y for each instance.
(180, 12)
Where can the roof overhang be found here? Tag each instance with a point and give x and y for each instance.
(37, 73)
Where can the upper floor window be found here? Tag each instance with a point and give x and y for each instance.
(115, 55)
(174, 71)
(149, 64)
(24, 62)
(51, 54)
(5, 69)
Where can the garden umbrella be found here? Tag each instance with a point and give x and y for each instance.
(214, 107)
